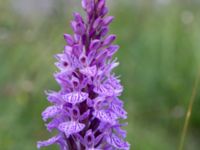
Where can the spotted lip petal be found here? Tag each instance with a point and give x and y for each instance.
(104, 89)
(75, 97)
(89, 71)
(105, 116)
(71, 127)
(108, 89)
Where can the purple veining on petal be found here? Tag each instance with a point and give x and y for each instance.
(71, 127)
(105, 116)
(75, 97)
(89, 71)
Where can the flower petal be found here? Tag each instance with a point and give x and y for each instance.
(108, 20)
(69, 39)
(48, 142)
(104, 89)
(118, 142)
(71, 127)
(53, 124)
(53, 97)
(119, 110)
(89, 138)
(50, 112)
(89, 71)
(109, 40)
(75, 97)
(112, 49)
(95, 44)
(105, 116)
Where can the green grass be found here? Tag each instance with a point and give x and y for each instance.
(159, 59)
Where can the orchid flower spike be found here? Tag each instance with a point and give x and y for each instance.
(86, 112)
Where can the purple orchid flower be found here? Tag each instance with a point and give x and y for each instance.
(86, 111)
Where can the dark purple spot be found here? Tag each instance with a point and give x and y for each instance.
(89, 138)
(75, 112)
(75, 83)
(83, 60)
(65, 64)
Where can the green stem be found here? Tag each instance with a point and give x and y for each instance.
(189, 111)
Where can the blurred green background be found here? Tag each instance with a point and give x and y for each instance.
(159, 60)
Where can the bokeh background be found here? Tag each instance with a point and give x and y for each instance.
(159, 60)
